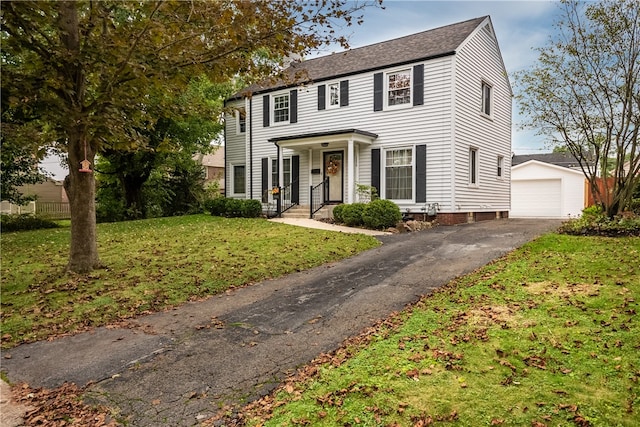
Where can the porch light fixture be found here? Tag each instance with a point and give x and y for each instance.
(324, 144)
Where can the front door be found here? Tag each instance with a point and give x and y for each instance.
(333, 169)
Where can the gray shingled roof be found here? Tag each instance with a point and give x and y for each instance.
(559, 159)
(433, 43)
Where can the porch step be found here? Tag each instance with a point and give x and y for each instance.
(302, 211)
(298, 211)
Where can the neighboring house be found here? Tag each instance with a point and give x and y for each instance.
(51, 200)
(213, 167)
(425, 119)
(48, 191)
(548, 185)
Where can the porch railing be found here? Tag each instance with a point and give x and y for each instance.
(319, 196)
(285, 202)
(281, 201)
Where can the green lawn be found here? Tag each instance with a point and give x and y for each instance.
(149, 265)
(547, 336)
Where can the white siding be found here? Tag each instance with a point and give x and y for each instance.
(428, 124)
(479, 60)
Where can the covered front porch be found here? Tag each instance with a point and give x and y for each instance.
(330, 161)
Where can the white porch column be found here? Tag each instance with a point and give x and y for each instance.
(281, 182)
(351, 172)
(310, 177)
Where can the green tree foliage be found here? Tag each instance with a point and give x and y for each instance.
(584, 93)
(19, 152)
(170, 141)
(96, 74)
(18, 167)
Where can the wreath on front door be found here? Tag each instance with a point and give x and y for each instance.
(333, 165)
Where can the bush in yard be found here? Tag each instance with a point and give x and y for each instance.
(251, 208)
(233, 208)
(24, 222)
(216, 206)
(380, 214)
(352, 214)
(594, 222)
(337, 213)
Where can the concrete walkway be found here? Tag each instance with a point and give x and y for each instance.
(180, 367)
(312, 223)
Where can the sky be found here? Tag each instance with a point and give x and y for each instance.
(520, 26)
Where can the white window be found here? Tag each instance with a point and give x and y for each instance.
(487, 106)
(399, 88)
(241, 121)
(286, 172)
(398, 170)
(473, 166)
(281, 108)
(239, 179)
(499, 172)
(334, 95)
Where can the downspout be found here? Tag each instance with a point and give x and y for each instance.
(224, 135)
(250, 114)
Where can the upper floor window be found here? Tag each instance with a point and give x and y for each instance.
(399, 88)
(398, 171)
(486, 98)
(334, 95)
(473, 166)
(241, 121)
(281, 108)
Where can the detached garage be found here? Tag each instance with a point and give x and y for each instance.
(543, 190)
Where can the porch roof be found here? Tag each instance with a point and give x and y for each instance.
(343, 135)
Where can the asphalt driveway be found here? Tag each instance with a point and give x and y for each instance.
(179, 367)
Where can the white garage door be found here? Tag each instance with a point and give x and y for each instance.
(536, 198)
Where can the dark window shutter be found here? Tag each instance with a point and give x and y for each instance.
(322, 103)
(344, 93)
(418, 84)
(421, 174)
(265, 179)
(265, 110)
(375, 169)
(293, 106)
(378, 93)
(295, 179)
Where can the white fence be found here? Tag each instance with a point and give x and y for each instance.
(51, 210)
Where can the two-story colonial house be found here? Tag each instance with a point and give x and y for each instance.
(424, 119)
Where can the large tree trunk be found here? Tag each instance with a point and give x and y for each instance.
(80, 186)
(81, 189)
(132, 186)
